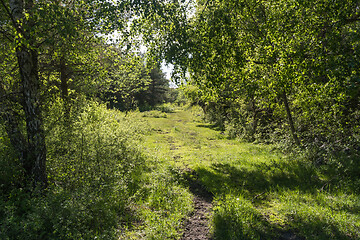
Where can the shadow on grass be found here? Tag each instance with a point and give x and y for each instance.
(222, 178)
(244, 222)
(210, 126)
(240, 190)
(320, 229)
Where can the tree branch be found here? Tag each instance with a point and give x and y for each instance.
(16, 26)
(7, 35)
(355, 18)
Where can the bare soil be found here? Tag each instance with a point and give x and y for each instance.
(197, 226)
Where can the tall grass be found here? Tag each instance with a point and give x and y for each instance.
(102, 186)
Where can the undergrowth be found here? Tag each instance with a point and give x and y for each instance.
(162, 203)
(101, 184)
(121, 176)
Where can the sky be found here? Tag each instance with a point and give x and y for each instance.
(167, 69)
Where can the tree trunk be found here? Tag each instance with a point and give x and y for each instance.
(290, 119)
(36, 158)
(35, 162)
(16, 137)
(64, 86)
(254, 123)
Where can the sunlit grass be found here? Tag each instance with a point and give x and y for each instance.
(185, 140)
(259, 192)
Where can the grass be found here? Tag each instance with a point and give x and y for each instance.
(259, 192)
(160, 205)
(183, 139)
(102, 185)
(126, 176)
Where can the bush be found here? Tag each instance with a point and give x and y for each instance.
(155, 114)
(165, 108)
(94, 167)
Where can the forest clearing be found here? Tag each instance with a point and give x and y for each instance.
(255, 133)
(256, 191)
(179, 178)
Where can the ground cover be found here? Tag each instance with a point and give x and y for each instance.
(258, 193)
(167, 174)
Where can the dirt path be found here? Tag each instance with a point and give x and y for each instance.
(180, 136)
(197, 226)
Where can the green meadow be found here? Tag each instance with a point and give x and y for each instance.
(131, 176)
(259, 192)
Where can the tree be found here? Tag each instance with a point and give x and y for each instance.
(129, 82)
(126, 77)
(33, 154)
(292, 63)
(29, 28)
(157, 90)
(71, 68)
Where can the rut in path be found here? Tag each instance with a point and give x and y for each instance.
(197, 226)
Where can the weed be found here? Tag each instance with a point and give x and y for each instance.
(162, 204)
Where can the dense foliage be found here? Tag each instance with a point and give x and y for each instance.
(279, 71)
(45, 46)
(282, 69)
(92, 169)
(274, 71)
(130, 84)
(68, 165)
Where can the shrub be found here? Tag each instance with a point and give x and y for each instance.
(94, 167)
